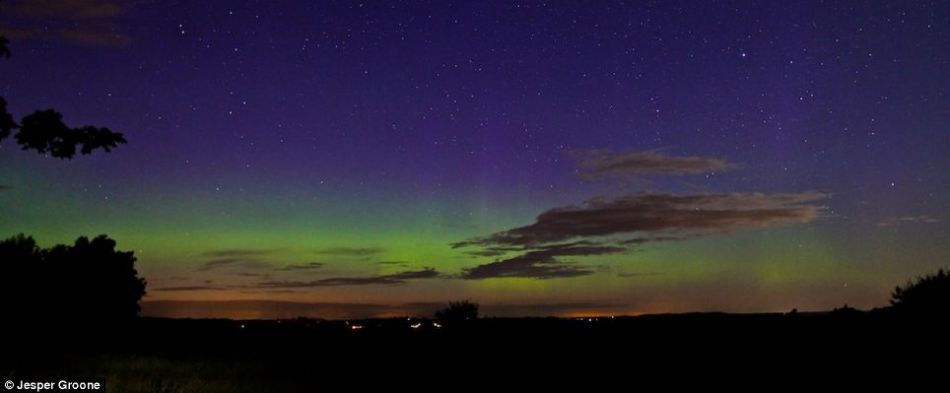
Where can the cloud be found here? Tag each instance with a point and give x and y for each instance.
(69, 9)
(394, 263)
(238, 252)
(270, 291)
(894, 221)
(84, 22)
(599, 164)
(188, 288)
(235, 262)
(95, 37)
(542, 262)
(350, 251)
(634, 274)
(528, 265)
(665, 215)
(492, 251)
(248, 258)
(302, 266)
(386, 279)
(617, 224)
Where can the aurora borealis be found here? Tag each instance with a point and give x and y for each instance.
(540, 158)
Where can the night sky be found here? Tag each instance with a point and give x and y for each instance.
(540, 158)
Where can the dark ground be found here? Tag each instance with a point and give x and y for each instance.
(178, 355)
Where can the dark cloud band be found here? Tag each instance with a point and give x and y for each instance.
(386, 279)
(630, 221)
(599, 164)
(659, 215)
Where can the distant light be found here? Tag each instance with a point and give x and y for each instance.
(416, 325)
(356, 327)
(436, 324)
(243, 326)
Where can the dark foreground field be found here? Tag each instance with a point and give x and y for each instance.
(179, 355)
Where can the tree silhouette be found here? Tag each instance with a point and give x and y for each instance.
(88, 281)
(928, 296)
(7, 124)
(45, 132)
(4, 48)
(458, 312)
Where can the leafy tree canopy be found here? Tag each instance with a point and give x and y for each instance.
(929, 294)
(460, 311)
(45, 132)
(87, 281)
